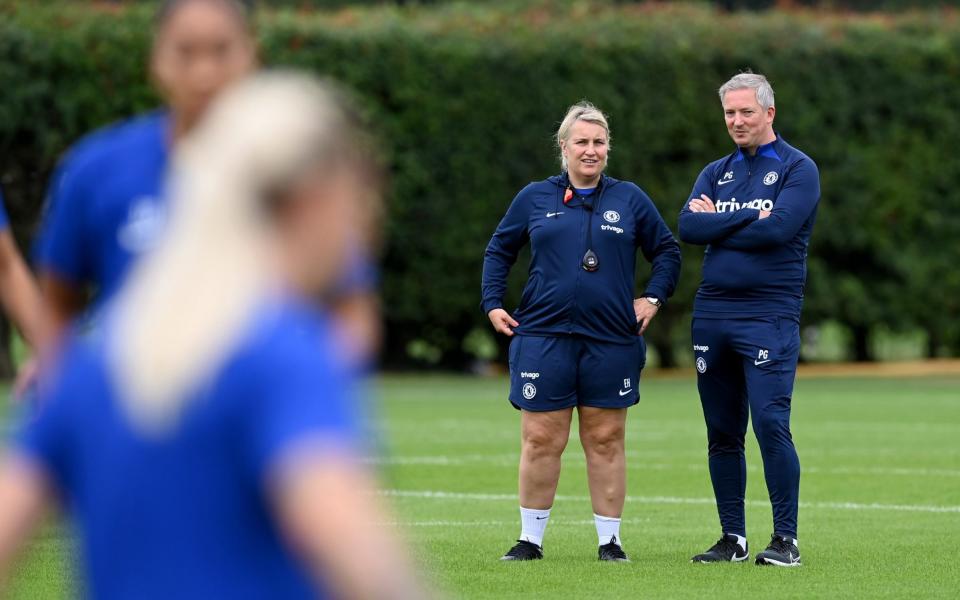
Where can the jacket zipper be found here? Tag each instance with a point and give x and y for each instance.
(583, 240)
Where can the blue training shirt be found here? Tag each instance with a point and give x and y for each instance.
(187, 515)
(106, 204)
(560, 297)
(107, 207)
(754, 267)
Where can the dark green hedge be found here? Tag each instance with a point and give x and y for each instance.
(466, 99)
(860, 5)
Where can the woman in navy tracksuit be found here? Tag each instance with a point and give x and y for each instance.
(575, 335)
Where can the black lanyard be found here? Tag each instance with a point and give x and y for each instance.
(590, 260)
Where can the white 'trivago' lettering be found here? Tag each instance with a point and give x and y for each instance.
(756, 204)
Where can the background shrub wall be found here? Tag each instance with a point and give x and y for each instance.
(466, 98)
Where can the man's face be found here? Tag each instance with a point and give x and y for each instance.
(748, 124)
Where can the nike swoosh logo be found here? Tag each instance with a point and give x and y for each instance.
(725, 182)
(540, 518)
(553, 214)
(757, 363)
(625, 392)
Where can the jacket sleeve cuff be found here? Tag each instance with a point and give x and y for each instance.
(655, 293)
(488, 305)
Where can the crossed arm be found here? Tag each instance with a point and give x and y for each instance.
(749, 229)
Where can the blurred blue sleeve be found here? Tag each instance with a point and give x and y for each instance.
(307, 399)
(62, 245)
(44, 433)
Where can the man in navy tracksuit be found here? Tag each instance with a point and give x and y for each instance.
(575, 341)
(754, 210)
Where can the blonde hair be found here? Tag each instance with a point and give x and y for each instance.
(581, 111)
(191, 301)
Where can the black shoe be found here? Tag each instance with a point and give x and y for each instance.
(612, 552)
(524, 550)
(781, 552)
(725, 550)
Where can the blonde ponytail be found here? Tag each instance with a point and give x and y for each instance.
(191, 301)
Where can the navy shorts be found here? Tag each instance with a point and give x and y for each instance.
(553, 373)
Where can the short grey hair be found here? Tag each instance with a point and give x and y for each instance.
(750, 81)
(581, 111)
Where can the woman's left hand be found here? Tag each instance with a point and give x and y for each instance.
(645, 312)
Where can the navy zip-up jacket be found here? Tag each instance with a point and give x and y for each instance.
(754, 267)
(560, 297)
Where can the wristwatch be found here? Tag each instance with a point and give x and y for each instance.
(654, 301)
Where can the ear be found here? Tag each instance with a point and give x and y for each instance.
(771, 113)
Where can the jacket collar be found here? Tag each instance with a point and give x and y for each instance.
(767, 150)
(563, 180)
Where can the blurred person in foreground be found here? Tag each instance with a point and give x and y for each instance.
(107, 204)
(754, 209)
(577, 334)
(205, 443)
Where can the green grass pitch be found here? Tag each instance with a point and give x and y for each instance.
(880, 493)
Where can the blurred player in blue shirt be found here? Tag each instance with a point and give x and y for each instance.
(206, 443)
(754, 209)
(106, 204)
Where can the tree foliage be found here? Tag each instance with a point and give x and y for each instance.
(466, 98)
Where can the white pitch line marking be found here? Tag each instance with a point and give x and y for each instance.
(510, 460)
(442, 495)
(554, 522)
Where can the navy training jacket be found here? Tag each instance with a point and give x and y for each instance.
(754, 267)
(560, 297)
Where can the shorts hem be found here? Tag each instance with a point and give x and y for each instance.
(540, 408)
(611, 405)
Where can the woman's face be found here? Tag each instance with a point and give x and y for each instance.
(201, 48)
(586, 151)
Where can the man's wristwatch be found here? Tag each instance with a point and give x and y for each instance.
(654, 301)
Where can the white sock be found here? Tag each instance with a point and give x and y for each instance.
(533, 523)
(608, 529)
(742, 541)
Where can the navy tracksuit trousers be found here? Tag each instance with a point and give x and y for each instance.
(746, 368)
